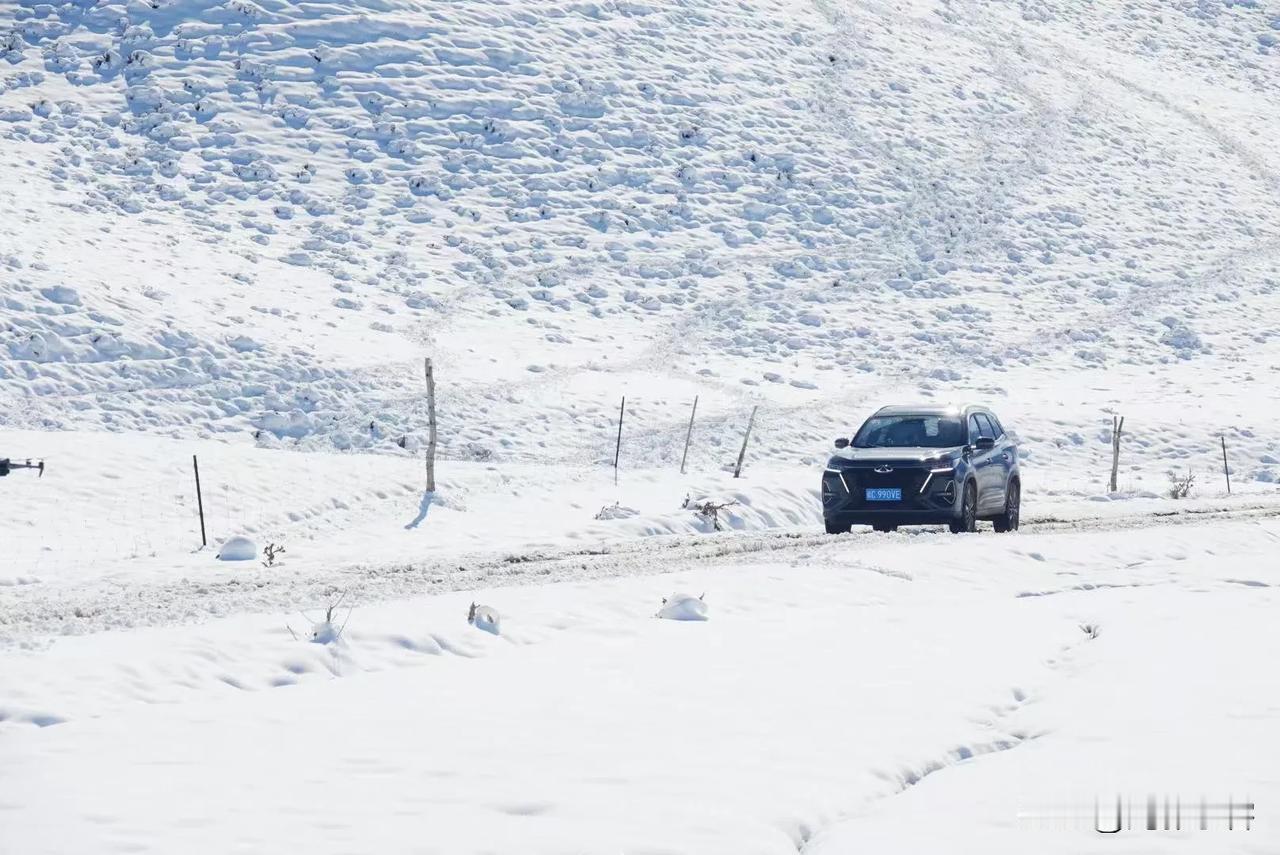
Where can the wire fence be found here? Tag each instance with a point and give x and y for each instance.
(98, 510)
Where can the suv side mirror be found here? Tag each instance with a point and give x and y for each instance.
(984, 443)
(842, 442)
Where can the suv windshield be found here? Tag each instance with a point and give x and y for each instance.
(910, 432)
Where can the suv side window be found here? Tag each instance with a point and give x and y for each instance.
(975, 429)
(985, 424)
(995, 423)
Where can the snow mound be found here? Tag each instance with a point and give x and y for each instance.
(683, 607)
(485, 618)
(325, 632)
(617, 511)
(238, 549)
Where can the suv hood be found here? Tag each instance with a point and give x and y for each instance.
(854, 456)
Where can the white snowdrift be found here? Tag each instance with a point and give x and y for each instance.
(485, 618)
(238, 548)
(683, 607)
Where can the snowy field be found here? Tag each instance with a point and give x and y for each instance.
(837, 694)
(233, 229)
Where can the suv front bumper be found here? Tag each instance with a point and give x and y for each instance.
(928, 496)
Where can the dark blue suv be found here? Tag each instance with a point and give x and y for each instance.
(923, 465)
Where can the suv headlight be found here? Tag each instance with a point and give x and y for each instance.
(940, 474)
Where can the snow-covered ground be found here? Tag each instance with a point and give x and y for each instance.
(234, 229)
(834, 700)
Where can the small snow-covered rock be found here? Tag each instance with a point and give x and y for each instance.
(238, 549)
(12, 42)
(616, 511)
(37, 347)
(61, 294)
(485, 618)
(683, 607)
(325, 632)
(256, 171)
(1180, 337)
(109, 61)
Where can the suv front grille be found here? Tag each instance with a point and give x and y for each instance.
(907, 479)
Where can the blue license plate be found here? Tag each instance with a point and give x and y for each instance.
(884, 494)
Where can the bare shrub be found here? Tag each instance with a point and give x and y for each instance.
(326, 631)
(271, 550)
(1180, 485)
(708, 510)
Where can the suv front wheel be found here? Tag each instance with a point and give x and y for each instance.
(968, 521)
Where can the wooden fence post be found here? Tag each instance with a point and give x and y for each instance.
(617, 451)
(1225, 471)
(1117, 428)
(737, 470)
(195, 464)
(431, 428)
(689, 435)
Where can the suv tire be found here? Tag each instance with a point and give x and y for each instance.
(836, 528)
(968, 520)
(1008, 521)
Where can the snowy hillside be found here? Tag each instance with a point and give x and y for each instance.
(238, 219)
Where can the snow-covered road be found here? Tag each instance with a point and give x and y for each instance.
(33, 613)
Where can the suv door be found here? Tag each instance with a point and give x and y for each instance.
(1006, 454)
(986, 466)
